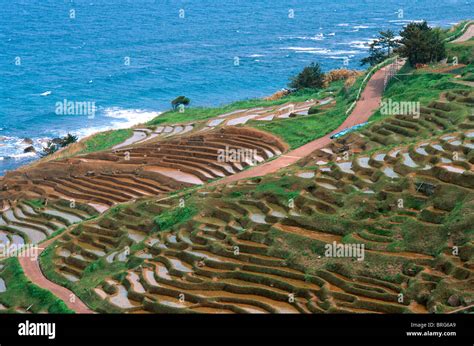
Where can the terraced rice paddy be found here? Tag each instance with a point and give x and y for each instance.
(141, 135)
(21, 223)
(223, 261)
(401, 188)
(110, 177)
(258, 246)
(291, 109)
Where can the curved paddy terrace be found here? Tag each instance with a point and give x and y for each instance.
(119, 175)
(260, 245)
(48, 197)
(396, 195)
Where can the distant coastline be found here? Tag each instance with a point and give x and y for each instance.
(239, 63)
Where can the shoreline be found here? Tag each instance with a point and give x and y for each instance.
(20, 158)
(26, 158)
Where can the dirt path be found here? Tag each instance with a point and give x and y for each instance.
(365, 107)
(34, 274)
(466, 36)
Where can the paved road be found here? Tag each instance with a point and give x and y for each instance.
(466, 36)
(368, 103)
(365, 107)
(34, 274)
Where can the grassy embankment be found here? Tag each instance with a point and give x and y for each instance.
(298, 131)
(465, 54)
(22, 293)
(105, 140)
(424, 85)
(204, 113)
(301, 130)
(455, 31)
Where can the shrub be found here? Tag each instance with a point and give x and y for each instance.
(314, 110)
(340, 74)
(180, 100)
(173, 217)
(66, 140)
(310, 78)
(58, 143)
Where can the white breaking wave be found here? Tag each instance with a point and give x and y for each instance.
(308, 50)
(131, 116)
(317, 37)
(360, 44)
(22, 155)
(126, 118)
(405, 21)
(322, 51)
(300, 48)
(344, 52)
(13, 147)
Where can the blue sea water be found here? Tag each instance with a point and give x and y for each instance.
(56, 50)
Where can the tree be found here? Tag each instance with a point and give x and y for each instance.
(180, 100)
(58, 143)
(420, 44)
(51, 148)
(68, 139)
(311, 77)
(381, 48)
(376, 56)
(388, 41)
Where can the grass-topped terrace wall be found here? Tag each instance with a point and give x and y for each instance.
(193, 114)
(301, 130)
(110, 177)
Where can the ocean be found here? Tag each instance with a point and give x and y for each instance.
(131, 58)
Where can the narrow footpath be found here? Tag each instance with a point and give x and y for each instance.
(368, 103)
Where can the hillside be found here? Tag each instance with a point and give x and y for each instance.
(158, 222)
